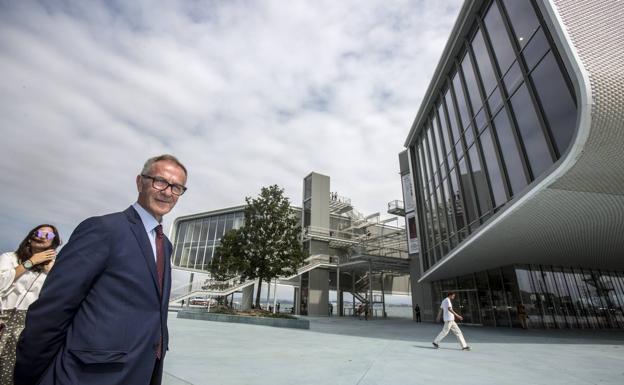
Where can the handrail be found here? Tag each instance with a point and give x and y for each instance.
(232, 285)
(396, 204)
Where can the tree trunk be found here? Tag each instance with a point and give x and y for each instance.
(258, 293)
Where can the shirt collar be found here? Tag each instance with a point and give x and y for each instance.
(148, 220)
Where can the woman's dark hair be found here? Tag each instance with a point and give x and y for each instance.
(24, 252)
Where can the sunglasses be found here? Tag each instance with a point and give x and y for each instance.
(43, 234)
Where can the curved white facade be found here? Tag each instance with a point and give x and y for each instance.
(573, 213)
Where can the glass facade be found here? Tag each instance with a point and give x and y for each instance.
(196, 239)
(553, 297)
(505, 112)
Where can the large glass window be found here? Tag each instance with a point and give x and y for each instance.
(450, 209)
(469, 194)
(221, 227)
(531, 132)
(483, 63)
(471, 83)
(444, 129)
(179, 242)
(504, 114)
(498, 298)
(439, 146)
(567, 307)
(576, 299)
(499, 37)
(487, 308)
(552, 291)
(432, 154)
(535, 50)
(307, 213)
(462, 104)
(307, 188)
(480, 181)
(204, 230)
(239, 220)
(556, 101)
(494, 173)
(212, 230)
(510, 152)
(529, 296)
(459, 212)
(510, 287)
(523, 19)
(229, 223)
(452, 116)
(552, 297)
(513, 78)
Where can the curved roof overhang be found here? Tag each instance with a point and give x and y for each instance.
(574, 214)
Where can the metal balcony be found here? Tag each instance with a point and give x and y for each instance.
(396, 207)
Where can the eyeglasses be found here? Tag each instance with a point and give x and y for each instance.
(44, 234)
(161, 184)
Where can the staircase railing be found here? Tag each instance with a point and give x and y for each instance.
(227, 287)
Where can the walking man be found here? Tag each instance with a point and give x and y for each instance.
(101, 318)
(446, 308)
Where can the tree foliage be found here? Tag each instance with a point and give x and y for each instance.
(267, 246)
(228, 257)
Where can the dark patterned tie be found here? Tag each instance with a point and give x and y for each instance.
(160, 269)
(160, 256)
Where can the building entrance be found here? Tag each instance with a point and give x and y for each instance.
(467, 305)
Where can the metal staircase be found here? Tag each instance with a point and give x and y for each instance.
(212, 288)
(361, 292)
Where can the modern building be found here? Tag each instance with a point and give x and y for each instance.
(513, 176)
(364, 256)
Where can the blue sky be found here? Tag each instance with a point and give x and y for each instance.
(245, 93)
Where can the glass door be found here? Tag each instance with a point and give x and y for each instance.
(470, 307)
(466, 304)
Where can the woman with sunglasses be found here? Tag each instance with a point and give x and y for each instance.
(22, 274)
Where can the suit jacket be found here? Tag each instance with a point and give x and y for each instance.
(100, 315)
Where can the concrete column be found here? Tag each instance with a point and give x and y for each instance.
(297, 300)
(353, 291)
(275, 296)
(383, 297)
(370, 288)
(338, 294)
(191, 278)
(247, 299)
(268, 294)
(422, 292)
(318, 293)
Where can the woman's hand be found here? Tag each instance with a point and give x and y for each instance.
(43, 257)
(48, 266)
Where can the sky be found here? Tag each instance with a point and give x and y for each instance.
(245, 93)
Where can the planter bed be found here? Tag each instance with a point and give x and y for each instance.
(197, 314)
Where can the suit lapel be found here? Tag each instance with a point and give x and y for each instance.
(167, 279)
(141, 236)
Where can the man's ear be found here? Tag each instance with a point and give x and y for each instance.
(139, 183)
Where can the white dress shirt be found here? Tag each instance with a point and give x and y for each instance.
(150, 223)
(21, 292)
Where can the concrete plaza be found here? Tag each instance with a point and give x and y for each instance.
(394, 351)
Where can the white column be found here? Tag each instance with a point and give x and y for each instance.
(275, 296)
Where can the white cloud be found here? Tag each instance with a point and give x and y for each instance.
(245, 93)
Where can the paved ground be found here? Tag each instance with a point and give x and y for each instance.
(387, 352)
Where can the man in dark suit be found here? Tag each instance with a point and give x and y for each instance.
(101, 318)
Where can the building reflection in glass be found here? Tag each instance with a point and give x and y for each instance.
(553, 297)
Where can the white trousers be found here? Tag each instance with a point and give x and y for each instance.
(451, 326)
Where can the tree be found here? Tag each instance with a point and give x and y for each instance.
(267, 246)
(228, 257)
